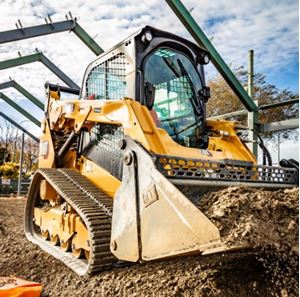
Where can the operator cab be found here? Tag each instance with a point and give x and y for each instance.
(161, 71)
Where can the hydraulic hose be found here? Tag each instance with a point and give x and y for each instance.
(266, 154)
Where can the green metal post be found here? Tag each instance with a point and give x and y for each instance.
(87, 40)
(191, 25)
(20, 109)
(253, 115)
(33, 99)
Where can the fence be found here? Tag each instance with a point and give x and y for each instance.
(9, 186)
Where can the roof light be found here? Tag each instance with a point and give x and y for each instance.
(147, 37)
(204, 58)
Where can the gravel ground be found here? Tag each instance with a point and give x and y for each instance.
(266, 220)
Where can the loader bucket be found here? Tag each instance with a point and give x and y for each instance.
(155, 212)
(152, 218)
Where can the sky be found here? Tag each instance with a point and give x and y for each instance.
(269, 27)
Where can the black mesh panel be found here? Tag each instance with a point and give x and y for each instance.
(101, 146)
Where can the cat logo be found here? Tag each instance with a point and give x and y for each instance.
(206, 153)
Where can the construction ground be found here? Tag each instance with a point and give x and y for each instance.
(265, 220)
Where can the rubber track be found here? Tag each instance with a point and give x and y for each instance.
(93, 206)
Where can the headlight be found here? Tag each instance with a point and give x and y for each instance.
(44, 147)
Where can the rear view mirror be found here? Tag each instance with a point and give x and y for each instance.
(149, 94)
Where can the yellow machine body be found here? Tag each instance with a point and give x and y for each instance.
(191, 230)
(139, 125)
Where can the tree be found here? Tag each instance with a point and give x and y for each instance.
(31, 151)
(8, 135)
(224, 100)
(10, 141)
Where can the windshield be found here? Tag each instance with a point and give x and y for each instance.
(175, 83)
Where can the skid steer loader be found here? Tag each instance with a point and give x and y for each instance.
(122, 168)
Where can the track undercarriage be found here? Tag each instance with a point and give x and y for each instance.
(76, 230)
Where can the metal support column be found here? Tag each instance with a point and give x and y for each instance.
(252, 115)
(188, 21)
(21, 165)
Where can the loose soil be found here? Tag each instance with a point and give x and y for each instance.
(265, 220)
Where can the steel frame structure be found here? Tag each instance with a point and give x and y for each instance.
(194, 29)
(20, 109)
(39, 57)
(19, 126)
(22, 33)
(23, 91)
(50, 28)
(268, 127)
(190, 24)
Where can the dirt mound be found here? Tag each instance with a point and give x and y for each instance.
(258, 217)
(239, 274)
(264, 220)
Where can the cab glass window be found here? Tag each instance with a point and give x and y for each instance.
(175, 84)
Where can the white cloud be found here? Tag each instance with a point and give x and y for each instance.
(269, 27)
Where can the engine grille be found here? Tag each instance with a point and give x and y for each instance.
(101, 146)
(226, 170)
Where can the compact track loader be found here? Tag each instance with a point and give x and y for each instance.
(122, 169)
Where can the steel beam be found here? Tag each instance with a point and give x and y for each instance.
(20, 109)
(58, 72)
(262, 107)
(87, 39)
(35, 31)
(39, 57)
(14, 84)
(28, 95)
(188, 21)
(279, 104)
(20, 61)
(6, 85)
(18, 126)
(228, 115)
(51, 28)
(278, 126)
